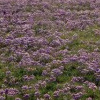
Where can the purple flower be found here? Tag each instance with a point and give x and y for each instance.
(47, 96)
(11, 91)
(44, 73)
(56, 94)
(8, 73)
(26, 96)
(77, 95)
(25, 87)
(61, 68)
(56, 72)
(37, 94)
(18, 99)
(2, 98)
(43, 84)
(6, 91)
(2, 91)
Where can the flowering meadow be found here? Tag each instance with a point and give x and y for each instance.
(49, 49)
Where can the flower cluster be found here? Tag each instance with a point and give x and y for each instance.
(49, 49)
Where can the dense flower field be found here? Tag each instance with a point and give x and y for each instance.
(49, 49)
